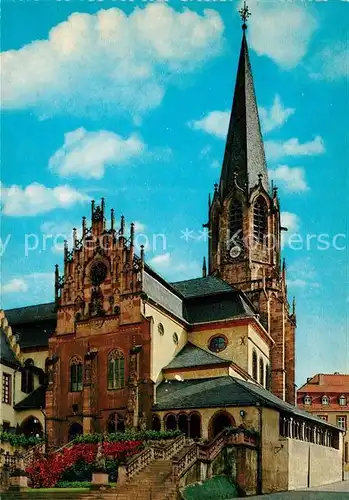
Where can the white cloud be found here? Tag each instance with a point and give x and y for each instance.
(292, 223)
(301, 273)
(87, 154)
(15, 285)
(109, 62)
(292, 147)
(174, 268)
(37, 198)
(39, 285)
(280, 30)
(214, 123)
(276, 116)
(291, 179)
(161, 260)
(332, 63)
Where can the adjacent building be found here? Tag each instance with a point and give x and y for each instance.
(326, 395)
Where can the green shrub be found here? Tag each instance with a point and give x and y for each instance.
(19, 440)
(219, 488)
(126, 436)
(73, 484)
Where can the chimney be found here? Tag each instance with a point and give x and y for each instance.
(321, 379)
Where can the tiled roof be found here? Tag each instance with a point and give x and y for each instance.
(324, 383)
(191, 356)
(6, 353)
(199, 287)
(35, 399)
(220, 392)
(33, 324)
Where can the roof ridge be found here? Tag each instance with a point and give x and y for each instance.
(27, 307)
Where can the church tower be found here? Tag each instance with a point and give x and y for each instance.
(245, 228)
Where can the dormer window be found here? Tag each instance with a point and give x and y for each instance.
(325, 400)
(342, 401)
(307, 400)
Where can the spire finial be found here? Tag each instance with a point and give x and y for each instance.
(244, 14)
(204, 268)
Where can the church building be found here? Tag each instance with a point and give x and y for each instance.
(131, 350)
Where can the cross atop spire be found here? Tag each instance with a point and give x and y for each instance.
(244, 14)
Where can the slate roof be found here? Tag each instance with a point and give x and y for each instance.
(199, 287)
(229, 305)
(35, 399)
(7, 356)
(33, 324)
(192, 355)
(220, 392)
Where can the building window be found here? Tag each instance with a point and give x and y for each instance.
(325, 400)
(260, 219)
(75, 374)
(6, 426)
(261, 371)
(323, 417)
(307, 400)
(161, 329)
(27, 380)
(116, 370)
(6, 388)
(342, 421)
(254, 365)
(267, 377)
(175, 338)
(217, 343)
(343, 401)
(235, 225)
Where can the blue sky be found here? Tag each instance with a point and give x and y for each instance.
(129, 100)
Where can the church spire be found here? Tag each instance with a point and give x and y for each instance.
(244, 150)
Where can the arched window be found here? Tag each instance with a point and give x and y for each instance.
(267, 377)
(27, 380)
(115, 423)
(235, 221)
(260, 219)
(116, 370)
(183, 423)
(75, 374)
(156, 423)
(307, 400)
(170, 422)
(254, 365)
(325, 400)
(194, 426)
(342, 401)
(261, 371)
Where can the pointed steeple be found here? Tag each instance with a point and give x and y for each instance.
(244, 150)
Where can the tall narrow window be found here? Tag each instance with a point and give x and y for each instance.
(27, 381)
(261, 371)
(75, 374)
(116, 370)
(235, 223)
(6, 388)
(254, 365)
(267, 377)
(260, 219)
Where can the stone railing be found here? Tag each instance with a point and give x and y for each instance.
(139, 462)
(184, 461)
(208, 452)
(153, 451)
(29, 456)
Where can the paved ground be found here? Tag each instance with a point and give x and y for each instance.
(335, 491)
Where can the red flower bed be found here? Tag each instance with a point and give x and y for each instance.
(47, 470)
